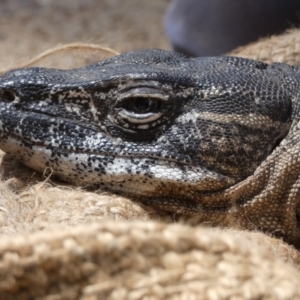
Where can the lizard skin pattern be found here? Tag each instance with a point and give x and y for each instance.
(211, 140)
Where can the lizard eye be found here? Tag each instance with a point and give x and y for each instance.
(141, 105)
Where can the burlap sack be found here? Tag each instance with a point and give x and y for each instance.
(65, 243)
(284, 48)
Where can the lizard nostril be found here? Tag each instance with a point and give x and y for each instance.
(8, 96)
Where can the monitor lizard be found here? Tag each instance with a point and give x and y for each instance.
(212, 140)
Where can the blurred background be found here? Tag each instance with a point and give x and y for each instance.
(195, 27)
(28, 27)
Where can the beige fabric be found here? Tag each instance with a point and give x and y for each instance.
(58, 242)
(284, 48)
(141, 260)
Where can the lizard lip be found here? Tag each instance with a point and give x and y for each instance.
(162, 170)
(33, 143)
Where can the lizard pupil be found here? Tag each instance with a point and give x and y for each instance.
(143, 105)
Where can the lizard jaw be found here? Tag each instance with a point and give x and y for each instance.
(126, 174)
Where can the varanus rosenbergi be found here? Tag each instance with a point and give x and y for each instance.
(215, 140)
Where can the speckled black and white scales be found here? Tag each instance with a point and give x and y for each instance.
(214, 140)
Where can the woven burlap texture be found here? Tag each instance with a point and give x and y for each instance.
(141, 260)
(284, 48)
(66, 243)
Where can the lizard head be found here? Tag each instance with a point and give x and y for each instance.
(151, 123)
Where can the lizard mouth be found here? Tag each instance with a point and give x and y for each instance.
(115, 172)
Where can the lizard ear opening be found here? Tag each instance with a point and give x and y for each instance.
(278, 141)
